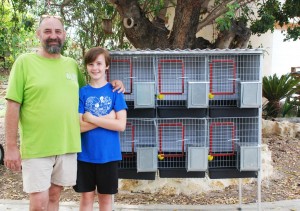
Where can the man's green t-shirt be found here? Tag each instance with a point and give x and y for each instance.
(47, 90)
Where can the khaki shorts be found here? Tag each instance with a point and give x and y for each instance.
(39, 173)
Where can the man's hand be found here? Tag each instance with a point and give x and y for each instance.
(12, 159)
(118, 86)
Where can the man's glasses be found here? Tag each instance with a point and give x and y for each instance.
(51, 16)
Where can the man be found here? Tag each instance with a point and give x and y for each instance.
(42, 96)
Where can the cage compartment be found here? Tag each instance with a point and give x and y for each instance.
(248, 157)
(225, 72)
(178, 87)
(139, 133)
(224, 134)
(174, 135)
(131, 69)
(249, 94)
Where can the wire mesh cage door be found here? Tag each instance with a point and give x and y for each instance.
(127, 141)
(226, 71)
(225, 134)
(121, 69)
(174, 72)
(174, 135)
(222, 78)
(139, 133)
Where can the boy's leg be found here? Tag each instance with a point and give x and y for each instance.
(85, 185)
(105, 202)
(107, 184)
(87, 201)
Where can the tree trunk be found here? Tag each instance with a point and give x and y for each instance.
(143, 33)
(185, 24)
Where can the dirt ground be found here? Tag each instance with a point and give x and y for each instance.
(284, 184)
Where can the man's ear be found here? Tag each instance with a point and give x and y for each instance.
(65, 34)
(38, 33)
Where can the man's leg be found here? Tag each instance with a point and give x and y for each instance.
(38, 201)
(36, 174)
(54, 196)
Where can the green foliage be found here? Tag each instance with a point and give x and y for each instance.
(272, 12)
(84, 19)
(224, 22)
(290, 107)
(16, 34)
(275, 89)
(152, 7)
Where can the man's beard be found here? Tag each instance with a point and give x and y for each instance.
(53, 49)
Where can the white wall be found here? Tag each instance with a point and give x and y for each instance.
(265, 42)
(284, 54)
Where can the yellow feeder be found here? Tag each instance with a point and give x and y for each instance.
(211, 96)
(160, 156)
(160, 96)
(210, 157)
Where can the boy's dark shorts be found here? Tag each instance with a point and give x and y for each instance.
(91, 175)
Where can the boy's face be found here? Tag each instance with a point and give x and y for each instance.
(97, 69)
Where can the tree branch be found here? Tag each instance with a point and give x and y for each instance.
(218, 11)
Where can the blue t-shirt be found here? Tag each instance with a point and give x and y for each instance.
(100, 145)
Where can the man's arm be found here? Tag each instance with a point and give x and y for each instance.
(118, 124)
(12, 158)
(118, 86)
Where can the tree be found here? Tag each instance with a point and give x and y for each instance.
(16, 34)
(273, 12)
(150, 24)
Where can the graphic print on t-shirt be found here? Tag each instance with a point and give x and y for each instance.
(98, 106)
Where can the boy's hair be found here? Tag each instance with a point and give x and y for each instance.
(91, 55)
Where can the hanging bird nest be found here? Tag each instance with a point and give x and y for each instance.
(107, 26)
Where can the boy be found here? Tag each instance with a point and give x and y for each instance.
(102, 114)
